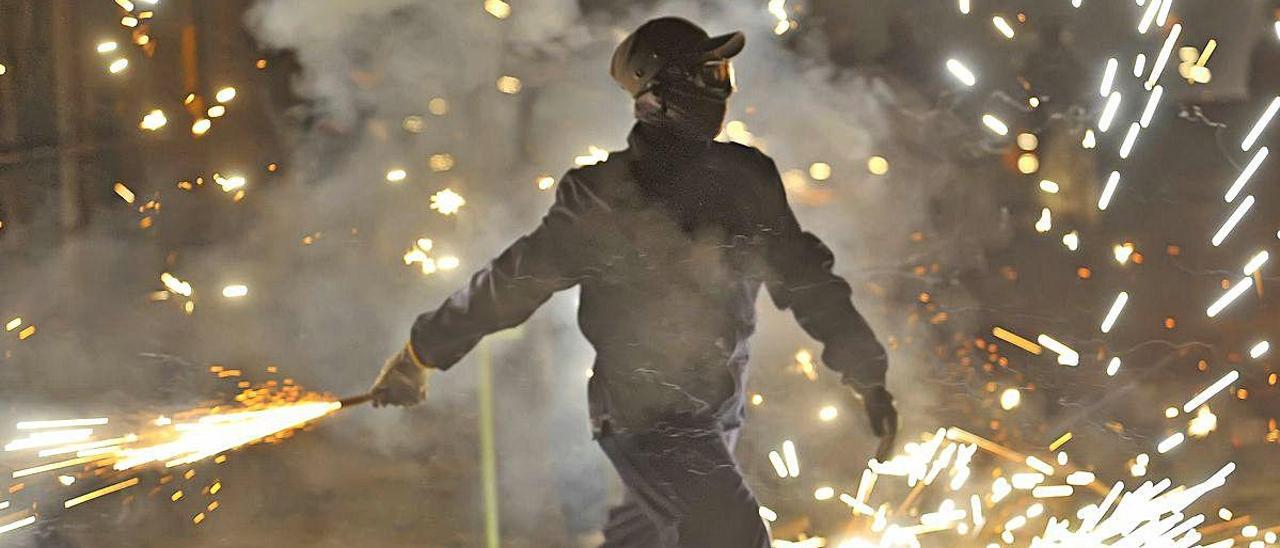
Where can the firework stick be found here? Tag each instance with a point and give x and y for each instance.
(352, 401)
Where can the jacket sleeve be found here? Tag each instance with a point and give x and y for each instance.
(507, 291)
(800, 278)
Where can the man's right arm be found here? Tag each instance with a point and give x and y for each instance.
(507, 291)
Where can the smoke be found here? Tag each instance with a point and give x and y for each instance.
(329, 311)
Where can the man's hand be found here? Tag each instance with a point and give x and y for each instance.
(884, 419)
(403, 380)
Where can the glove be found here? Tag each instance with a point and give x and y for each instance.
(402, 381)
(883, 416)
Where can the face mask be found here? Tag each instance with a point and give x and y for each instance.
(683, 110)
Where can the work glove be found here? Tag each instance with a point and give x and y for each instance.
(402, 381)
(883, 416)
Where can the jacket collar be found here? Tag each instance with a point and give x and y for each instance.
(650, 143)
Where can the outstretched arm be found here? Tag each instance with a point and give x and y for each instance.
(507, 291)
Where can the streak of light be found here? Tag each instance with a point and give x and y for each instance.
(107, 47)
(57, 465)
(828, 413)
(175, 285)
(1261, 124)
(1213, 389)
(235, 291)
(1052, 491)
(229, 184)
(1039, 465)
(497, 8)
(100, 492)
(1113, 366)
(396, 175)
(1139, 65)
(791, 459)
(1003, 26)
(865, 484)
(1110, 320)
(1232, 221)
(1170, 442)
(779, 467)
(1080, 477)
(1045, 222)
(593, 156)
(216, 111)
(1277, 25)
(118, 66)
(1109, 190)
(201, 126)
(1108, 77)
(1016, 340)
(1163, 56)
(1130, 138)
(1149, 110)
(509, 85)
(1109, 111)
(45, 439)
(17, 524)
(768, 514)
(1163, 17)
(123, 192)
(1227, 298)
(1257, 350)
(961, 72)
(964, 6)
(824, 493)
(1148, 16)
(1062, 440)
(1066, 356)
(1208, 51)
(13, 324)
(153, 120)
(1256, 262)
(856, 505)
(1246, 174)
(1049, 186)
(62, 423)
(995, 125)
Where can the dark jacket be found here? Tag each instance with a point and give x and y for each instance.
(670, 242)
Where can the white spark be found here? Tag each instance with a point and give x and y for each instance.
(1148, 17)
(1113, 366)
(1163, 56)
(792, 460)
(1066, 356)
(1246, 174)
(1116, 307)
(1109, 111)
(1003, 26)
(994, 124)
(1231, 222)
(1045, 222)
(1231, 295)
(1261, 124)
(1139, 64)
(1113, 180)
(1211, 391)
(1170, 442)
(1129, 139)
(1150, 110)
(961, 72)
(1256, 262)
(1257, 350)
(1108, 77)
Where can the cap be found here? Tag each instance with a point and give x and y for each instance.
(664, 41)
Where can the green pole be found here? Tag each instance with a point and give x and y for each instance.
(488, 457)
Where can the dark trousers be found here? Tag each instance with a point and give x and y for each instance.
(684, 490)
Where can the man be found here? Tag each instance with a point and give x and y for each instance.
(670, 241)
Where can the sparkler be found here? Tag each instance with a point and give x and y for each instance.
(1230, 296)
(1232, 221)
(1261, 124)
(1246, 174)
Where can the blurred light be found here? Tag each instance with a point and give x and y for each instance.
(414, 124)
(790, 458)
(1003, 26)
(545, 182)
(824, 493)
(123, 192)
(1139, 65)
(438, 106)
(1089, 140)
(396, 175)
(225, 95)
(1045, 222)
(447, 202)
(994, 124)
(228, 184)
(1113, 366)
(448, 262)
(129, 21)
(1246, 174)
(1028, 163)
(201, 126)
(216, 111)
(1259, 349)
(767, 514)
(153, 120)
(1256, 262)
(235, 291)
(1010, 398)
(118, 65)
(757, 399)
(1122, 252)
(1066, 356)
(964, 8)
(1231, 295)
(961, 72)
(107, 47)
(1109, 190)
(1232, 221)
(1071, 240)
(877, 165)
(1224, 514)
(1170, 442)
(820, 171)
(497, 8)
(1109, 111)
(440, 162)
(1261, 124)
(828, 413)
(1149, 16)
(1108, 77)
(1049, 186)
(1027, 141)
(593, 156)
(1212, 390)
(1170, 412)
(509, 85)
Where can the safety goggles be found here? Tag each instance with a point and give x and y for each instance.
(714, 77)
